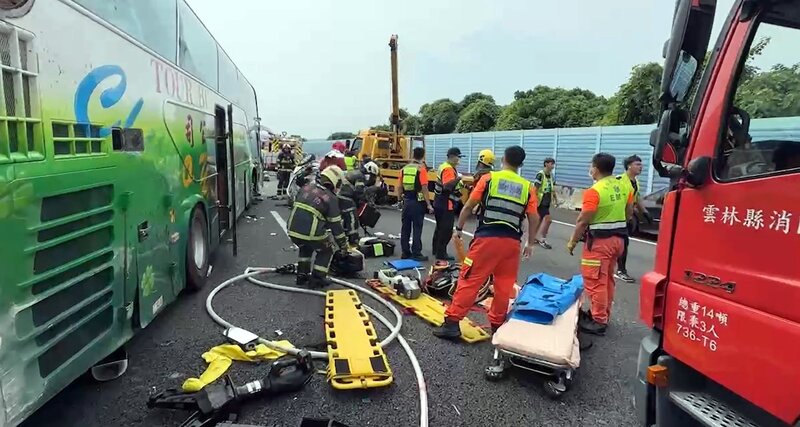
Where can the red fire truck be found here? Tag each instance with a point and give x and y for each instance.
(723, 299)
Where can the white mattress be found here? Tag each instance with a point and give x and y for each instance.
(556, 343)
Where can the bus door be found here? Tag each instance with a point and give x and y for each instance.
(226, 196)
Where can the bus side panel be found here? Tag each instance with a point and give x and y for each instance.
(99, 239)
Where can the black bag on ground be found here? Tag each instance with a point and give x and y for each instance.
(373, 247)
(368, 216)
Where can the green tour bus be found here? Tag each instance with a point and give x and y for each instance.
(124, 162)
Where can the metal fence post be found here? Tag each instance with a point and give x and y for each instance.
(469, 165)
(555, 151)
(521, 144)
(650, 171)
(598, 144)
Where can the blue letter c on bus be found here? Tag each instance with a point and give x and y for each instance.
(108, 98)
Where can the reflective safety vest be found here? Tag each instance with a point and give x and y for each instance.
(412, 188)
(634, 183)
(350, 162)
(309, 220)
(438, 186)
(610, 219)
(546, 187)
(505, 200)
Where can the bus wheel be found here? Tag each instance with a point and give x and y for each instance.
(197, 251)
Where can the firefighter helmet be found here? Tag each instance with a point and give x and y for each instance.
(371, 168)
(443, 279)
(486, 157)
(334, 174)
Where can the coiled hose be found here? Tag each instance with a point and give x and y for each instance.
(394, 329)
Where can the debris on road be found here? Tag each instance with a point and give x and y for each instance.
(456, 408)
(273, 234)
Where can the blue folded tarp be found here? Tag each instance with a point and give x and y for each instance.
(404, 264)
(544, 297)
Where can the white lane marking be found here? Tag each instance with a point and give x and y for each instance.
(282, 223)
(465, 231)
(632, 238)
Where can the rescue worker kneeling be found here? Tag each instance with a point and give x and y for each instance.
(603, 224)
(314, 212)
(350, 196)
(506, 200)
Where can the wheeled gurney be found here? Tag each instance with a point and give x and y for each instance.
(551, 350)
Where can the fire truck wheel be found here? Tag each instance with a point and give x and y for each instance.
(197, 251)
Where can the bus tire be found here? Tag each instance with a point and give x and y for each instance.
(197, 251)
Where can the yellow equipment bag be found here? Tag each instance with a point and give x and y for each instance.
(355, 359)
(221, 357)
(432, 311)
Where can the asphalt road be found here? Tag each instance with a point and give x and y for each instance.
(168, 351)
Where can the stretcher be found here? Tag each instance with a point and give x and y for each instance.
(355, 358)
(551, 350)
(430, 310)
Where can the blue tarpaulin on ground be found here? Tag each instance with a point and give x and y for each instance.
(544, 297)
(404, 264)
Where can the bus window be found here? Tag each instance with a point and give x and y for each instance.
(197, 50)
(151, 22)
(768, 87)
(228, 78)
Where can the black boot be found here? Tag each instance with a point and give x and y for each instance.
(319, 282)
(592, 327)
(450, 330)
(302, 280)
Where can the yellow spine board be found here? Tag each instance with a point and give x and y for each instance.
(355, 358)
(432, 311)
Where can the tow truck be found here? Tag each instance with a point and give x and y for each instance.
(722, 299)
(391, 150)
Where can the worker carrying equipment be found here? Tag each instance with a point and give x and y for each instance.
(350, 197)
(507, 199)
(314, 212)
(448, 193)
(286, 164)
(602, 224)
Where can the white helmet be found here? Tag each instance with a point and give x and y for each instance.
(371, 168)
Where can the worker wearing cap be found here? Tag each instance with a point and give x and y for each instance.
(413, 189)
(507, 199)
(602, 223)
(544, 183)
(286, 164)
(315, 217)
(448, 192)
(350, 196)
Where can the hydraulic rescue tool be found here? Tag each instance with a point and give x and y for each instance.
(407, 287)
(220, 402)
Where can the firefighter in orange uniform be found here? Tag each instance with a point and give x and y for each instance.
(602, 223)
(506, 199)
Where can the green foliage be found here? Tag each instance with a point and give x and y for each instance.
(383, 127)
(638, 97)
(341, 135)
(774, 93)
(474, 97)
(440, 116)
(479, 116)
(548, 107)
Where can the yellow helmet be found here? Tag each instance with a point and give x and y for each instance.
(334, 174)
(486, 157)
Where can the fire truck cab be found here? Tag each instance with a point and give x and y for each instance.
(723, 299)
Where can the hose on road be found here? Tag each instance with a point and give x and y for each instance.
(394, 329)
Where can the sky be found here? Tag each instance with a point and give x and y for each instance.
(321, 66)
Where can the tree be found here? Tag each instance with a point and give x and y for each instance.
(341, 135)
(547, 107)
(440, 116)
(479, 116)
(472, 98)
(774, 93)
(382, 128)
(637, 98)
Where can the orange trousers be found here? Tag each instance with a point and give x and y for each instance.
(486, 256)
(597, 268)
